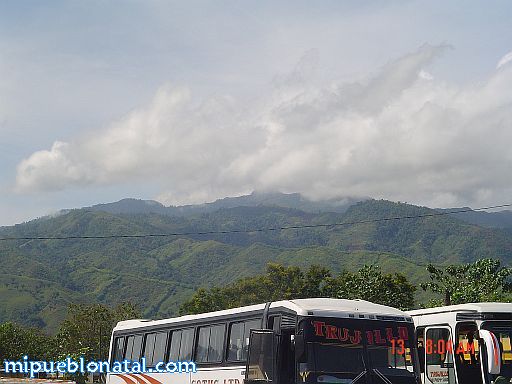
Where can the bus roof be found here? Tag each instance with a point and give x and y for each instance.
(470, 307)
(317, 306)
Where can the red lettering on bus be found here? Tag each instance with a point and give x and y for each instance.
(389, 334)
(356, 339)
(369, 337)
(378, 337)
(402, 333)
(319, 327)
(331, 332)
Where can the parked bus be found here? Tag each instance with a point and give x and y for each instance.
(285, 342)
(465, 344)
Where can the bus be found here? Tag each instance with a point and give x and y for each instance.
(284, 342)
(465, 344)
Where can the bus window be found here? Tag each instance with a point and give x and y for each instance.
(187, 340)
(274, 322)
(137, 348)
(389, 347)
(160, 344)
(210, 344)
(503, 331)
(174, 353)
(506, 346)
(133, 348)
(154, 348)
(181, 344)
(239, 339)
(330, 355)
(149, 346)
(118, 349)
(129, 347)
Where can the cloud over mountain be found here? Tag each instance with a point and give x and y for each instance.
(400, 134)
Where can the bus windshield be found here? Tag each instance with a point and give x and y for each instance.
(503, 332)
(341, 350)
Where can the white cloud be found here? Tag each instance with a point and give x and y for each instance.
(504, 60)
(401, 134)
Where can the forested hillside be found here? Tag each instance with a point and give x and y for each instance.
(159, 273)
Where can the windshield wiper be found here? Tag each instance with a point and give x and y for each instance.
(381, 376)
(358, 377)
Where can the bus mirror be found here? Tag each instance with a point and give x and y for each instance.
(300, 348)
(493, 352)
(260, 366)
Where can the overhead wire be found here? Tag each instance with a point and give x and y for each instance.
(254, 230)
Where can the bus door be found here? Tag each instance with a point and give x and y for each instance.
(467, 354)
(439, 361)
(261, 364)
(285, 350)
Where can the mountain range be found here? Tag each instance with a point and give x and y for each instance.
(40, 277)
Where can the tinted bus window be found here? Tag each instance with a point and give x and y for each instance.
(389, 347)
(336, 347)
(439, 358)
(137, 348)
(174, 353)
(149, 347)
(181, 344)
(187, 340)
(210, 344)
(118, 349)
(160, 344)
(216, 343)
(129, 348)
(202, 344)
(239, 339)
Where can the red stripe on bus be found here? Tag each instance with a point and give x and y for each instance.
(140, 380)
(151, 379)
(127, 380)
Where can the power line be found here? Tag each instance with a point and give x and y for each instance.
(256, 230)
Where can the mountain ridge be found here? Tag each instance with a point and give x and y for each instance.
(157, 274)
(499, 220)
(285, 200)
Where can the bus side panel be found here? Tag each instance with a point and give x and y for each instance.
(219, 375)
(149, 378)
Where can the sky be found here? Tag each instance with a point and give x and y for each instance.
(186, 102)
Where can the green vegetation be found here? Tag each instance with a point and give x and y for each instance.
(86, 329)
(484, 280)
(85, 332)
(40, 278)
(286, 283)
(17, 341)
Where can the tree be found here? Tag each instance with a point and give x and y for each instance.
(278, 283)
(17, 341)
(87, 328)
(369, 283)
(286, 283)
(483, 280)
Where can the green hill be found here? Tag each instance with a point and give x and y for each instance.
(158, 273)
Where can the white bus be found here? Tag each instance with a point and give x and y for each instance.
(284, 342)
(465, 344)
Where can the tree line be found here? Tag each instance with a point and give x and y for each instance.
(84, 332)
(87, 328)
(483, 280)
